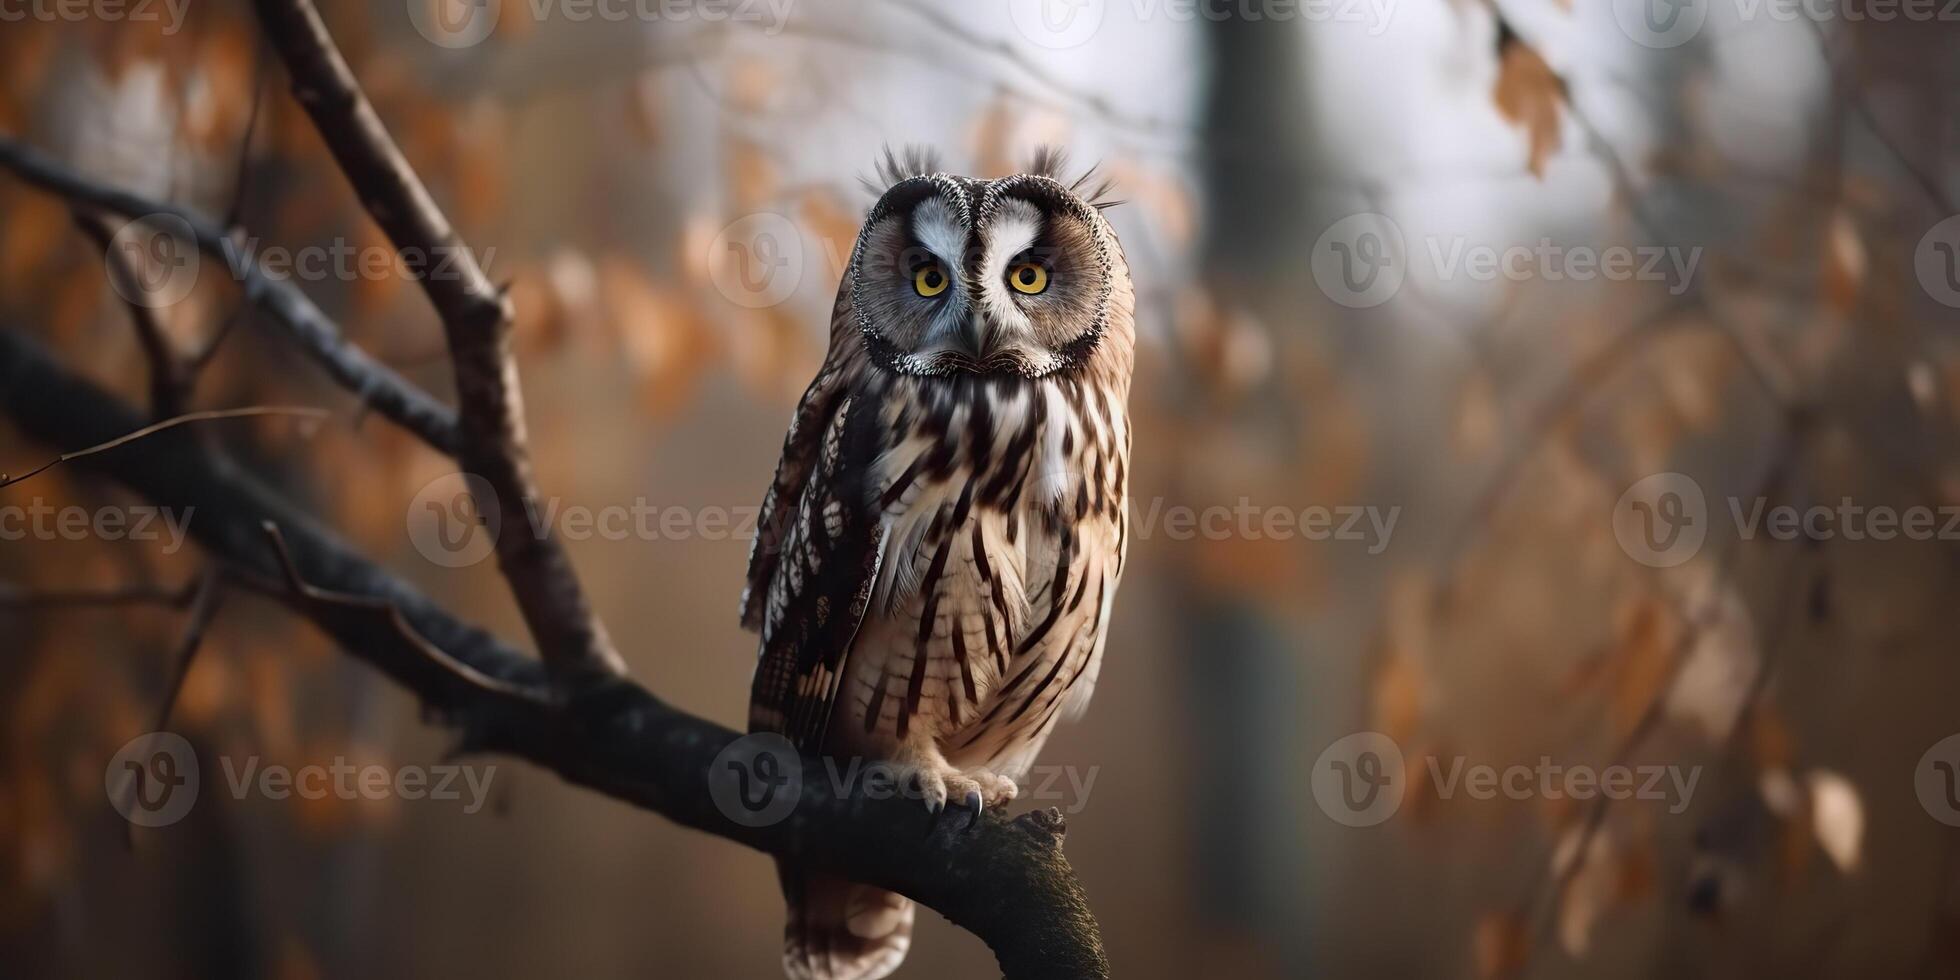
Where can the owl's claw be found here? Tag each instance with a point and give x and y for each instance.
(940, 785)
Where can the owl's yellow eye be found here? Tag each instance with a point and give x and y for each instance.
(1027, 277)
(930, 280)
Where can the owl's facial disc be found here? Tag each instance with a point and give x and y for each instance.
(1018, 290)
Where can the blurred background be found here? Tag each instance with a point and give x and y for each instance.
(1479, 344)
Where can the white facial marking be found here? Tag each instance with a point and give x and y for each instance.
(1011, 232)
(937, 228)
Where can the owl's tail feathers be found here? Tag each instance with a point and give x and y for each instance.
(841, 930)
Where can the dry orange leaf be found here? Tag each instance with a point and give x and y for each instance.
(1503, 944)
(993, 135)
(1398, 695)
(1842, 277)
(1529, 94)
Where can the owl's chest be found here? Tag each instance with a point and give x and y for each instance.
(998, 547)
(986, 488)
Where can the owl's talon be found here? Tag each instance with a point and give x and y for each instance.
(932, 789)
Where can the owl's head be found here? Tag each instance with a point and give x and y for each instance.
(1016, 276)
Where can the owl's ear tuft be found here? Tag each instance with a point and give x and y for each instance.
(913, 161)
(1090, 185)
(1049, 161)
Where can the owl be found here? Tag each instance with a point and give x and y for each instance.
(937, 557)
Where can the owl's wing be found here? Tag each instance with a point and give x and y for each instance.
(822, 581)
(806, 431)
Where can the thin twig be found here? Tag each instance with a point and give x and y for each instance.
(387, 611)
(1782, 464)
(241, 183)
(14, 597)
(169, 382)
(1860, 104)
(209, 415)
(207, 596)
(1773, 381)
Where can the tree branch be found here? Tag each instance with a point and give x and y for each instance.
(376, 384)
(170, 382)
(476, 320)
(1006, 881)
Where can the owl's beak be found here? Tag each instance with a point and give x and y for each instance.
(965, 341)
(973, 338)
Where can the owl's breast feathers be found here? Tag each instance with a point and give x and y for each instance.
(948, 561)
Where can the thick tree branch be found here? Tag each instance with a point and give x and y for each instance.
(1006, 881)
(476, 320)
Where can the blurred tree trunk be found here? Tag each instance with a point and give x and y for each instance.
(1241, 665)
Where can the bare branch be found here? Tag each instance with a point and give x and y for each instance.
(476, 320)
(169, 379)
(301, 592)
(1860, 103)
(207, 594)
(375, 383)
